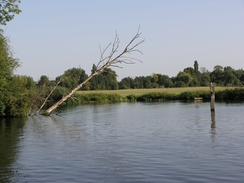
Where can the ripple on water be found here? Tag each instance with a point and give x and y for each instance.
(132, 142)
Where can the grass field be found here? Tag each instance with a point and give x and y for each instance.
(137, 92)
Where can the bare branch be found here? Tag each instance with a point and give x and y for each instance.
(109, 61)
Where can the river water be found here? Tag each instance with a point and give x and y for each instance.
(126, 142)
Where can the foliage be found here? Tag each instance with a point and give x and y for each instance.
(236, 94)
(98, 97)
(17, 98)
(132, 98)
(44, 81)
(72, 78)
(183, 79)
(189, 77)
(107, 80)
(8, 8)
(126, 83)
(156, 96)
(164, 81)
(7, 62)
(196, 66)
(7, 83)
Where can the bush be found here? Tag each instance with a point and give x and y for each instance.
(156, 96)
(186, 96)
(132, 98)
(98, 97)
(236, 94)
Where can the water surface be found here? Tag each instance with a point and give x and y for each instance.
(127, 142)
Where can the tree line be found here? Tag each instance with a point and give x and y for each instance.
(19, 94)
(188, 77)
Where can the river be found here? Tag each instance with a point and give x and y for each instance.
(126, 142)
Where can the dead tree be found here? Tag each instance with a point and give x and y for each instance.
(45, 101)
(112, 60)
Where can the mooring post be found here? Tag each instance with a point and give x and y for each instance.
(212, 103)
(212, 106)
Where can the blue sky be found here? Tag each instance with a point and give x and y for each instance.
(51, 36)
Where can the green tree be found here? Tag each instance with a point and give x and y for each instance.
(217, 75)
(94, 81)
(126, 83)
(18, 95)
(7, 66)
(107, 80)
(72, 78)
(205, 79)
(196, 66)
(110, 79)
(44, 81)
(218, 68)
(7, 62)
(8, 8)
(194, 73)
(154, 80)
(164, 81)
(183, 79)
(138, 82)
(147, 82)
(231, 76)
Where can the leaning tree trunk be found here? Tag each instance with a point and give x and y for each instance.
(56, 105)
(105, 62)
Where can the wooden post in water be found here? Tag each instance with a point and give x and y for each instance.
(212, 104)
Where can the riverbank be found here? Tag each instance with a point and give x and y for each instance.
(160, 94)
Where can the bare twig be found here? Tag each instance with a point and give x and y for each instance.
(107, 61)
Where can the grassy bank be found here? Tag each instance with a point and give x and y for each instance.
(162, 94)
(137, 92)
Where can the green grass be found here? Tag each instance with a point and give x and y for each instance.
(138, 92)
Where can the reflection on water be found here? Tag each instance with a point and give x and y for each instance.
(128, 142)
(11, 131)
(213, 122)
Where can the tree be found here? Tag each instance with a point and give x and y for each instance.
(183, 79)
(196, 66)
(110, 79)
(44, 81)
(7, 66)
(7, 63)
(217, 75)
(17, 97)
(138, 83)
(203, 70)
(105, 81)
(147, 82)
(126, 83)
(230, 78)
(164, 81)
(190, 71)
(218, 68)
(154, 80)
(205, 79)
(72, 77)
(111, 60)
(8, 8)
(194, 73)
